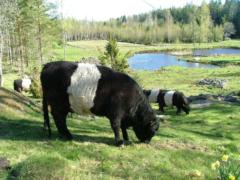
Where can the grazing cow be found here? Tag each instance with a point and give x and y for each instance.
(24, 84)
(88, 88)
(168, 98)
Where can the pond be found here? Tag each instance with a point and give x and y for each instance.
(216, 51)
(154, 61)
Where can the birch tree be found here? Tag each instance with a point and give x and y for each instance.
(7, 8)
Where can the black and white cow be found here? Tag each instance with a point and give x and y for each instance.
(168, 98)
(23, 84)
(88, 88)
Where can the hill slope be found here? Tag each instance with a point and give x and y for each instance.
(183, 145)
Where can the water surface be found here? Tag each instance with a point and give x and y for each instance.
(154, 61)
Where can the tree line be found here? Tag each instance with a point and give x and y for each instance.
(28, 30)
(210, 22)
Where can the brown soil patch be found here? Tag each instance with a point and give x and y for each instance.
(177, 145)
(4, 163)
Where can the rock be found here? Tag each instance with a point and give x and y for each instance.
(90, 60)
(200, 97)
(4, 163)
(200, 104)
(230, 99)
(219, 83)
(204, 100)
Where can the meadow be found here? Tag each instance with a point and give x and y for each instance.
(184, 147)
(78, 49)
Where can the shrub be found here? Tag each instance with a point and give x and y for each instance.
(111, 56)
(35, 88)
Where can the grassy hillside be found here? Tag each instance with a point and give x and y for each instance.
(183, 145)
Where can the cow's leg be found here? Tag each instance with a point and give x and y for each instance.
(115, 124)
(19, 90)
(124, 133)
(59, 117)
(178, 110)
(161, 107)
(185, 110)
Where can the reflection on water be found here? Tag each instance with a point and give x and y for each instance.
(153, 61)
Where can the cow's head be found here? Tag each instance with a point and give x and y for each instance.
(146, 124)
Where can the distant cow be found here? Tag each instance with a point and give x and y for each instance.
(23, 84)
(168, 98)
(88, 88)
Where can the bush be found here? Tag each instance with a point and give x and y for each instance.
(111, 56)
(36, 88)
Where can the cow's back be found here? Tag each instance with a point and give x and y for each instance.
(115, 90)
(55, 76)
(83, 87)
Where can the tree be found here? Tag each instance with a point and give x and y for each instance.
(6, 13)
(229, 30)
(169, 25)
(216, 7)
(112, 56)
(205, 23)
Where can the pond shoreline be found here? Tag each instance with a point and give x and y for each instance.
(188, 51)
(203, 56)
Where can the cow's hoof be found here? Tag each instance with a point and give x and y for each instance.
(127, 142)
(120, 143)
(66, 137)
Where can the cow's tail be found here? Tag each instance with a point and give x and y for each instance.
(46, 116)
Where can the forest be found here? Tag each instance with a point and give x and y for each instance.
(206, 23)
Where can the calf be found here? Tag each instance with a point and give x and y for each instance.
(92, 89)
(20, 85)
(168, 98)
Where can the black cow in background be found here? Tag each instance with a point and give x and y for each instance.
(23, 84)
(88, 88)
(168, 98)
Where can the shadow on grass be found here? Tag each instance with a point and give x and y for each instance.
(216, 122)
(28, 130)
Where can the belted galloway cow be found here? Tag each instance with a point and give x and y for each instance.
(168, 98)
(93, 89)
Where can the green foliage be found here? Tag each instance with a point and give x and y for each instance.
(111, 56)
(227, 168)
(35, 88)
(218, 33)
(190, 23)
(33, 29)
(229, 29)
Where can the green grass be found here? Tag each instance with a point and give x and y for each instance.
(220, 60)
(182, 145)
(79, 49)
(185, 79)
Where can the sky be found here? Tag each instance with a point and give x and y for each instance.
(101, 10)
